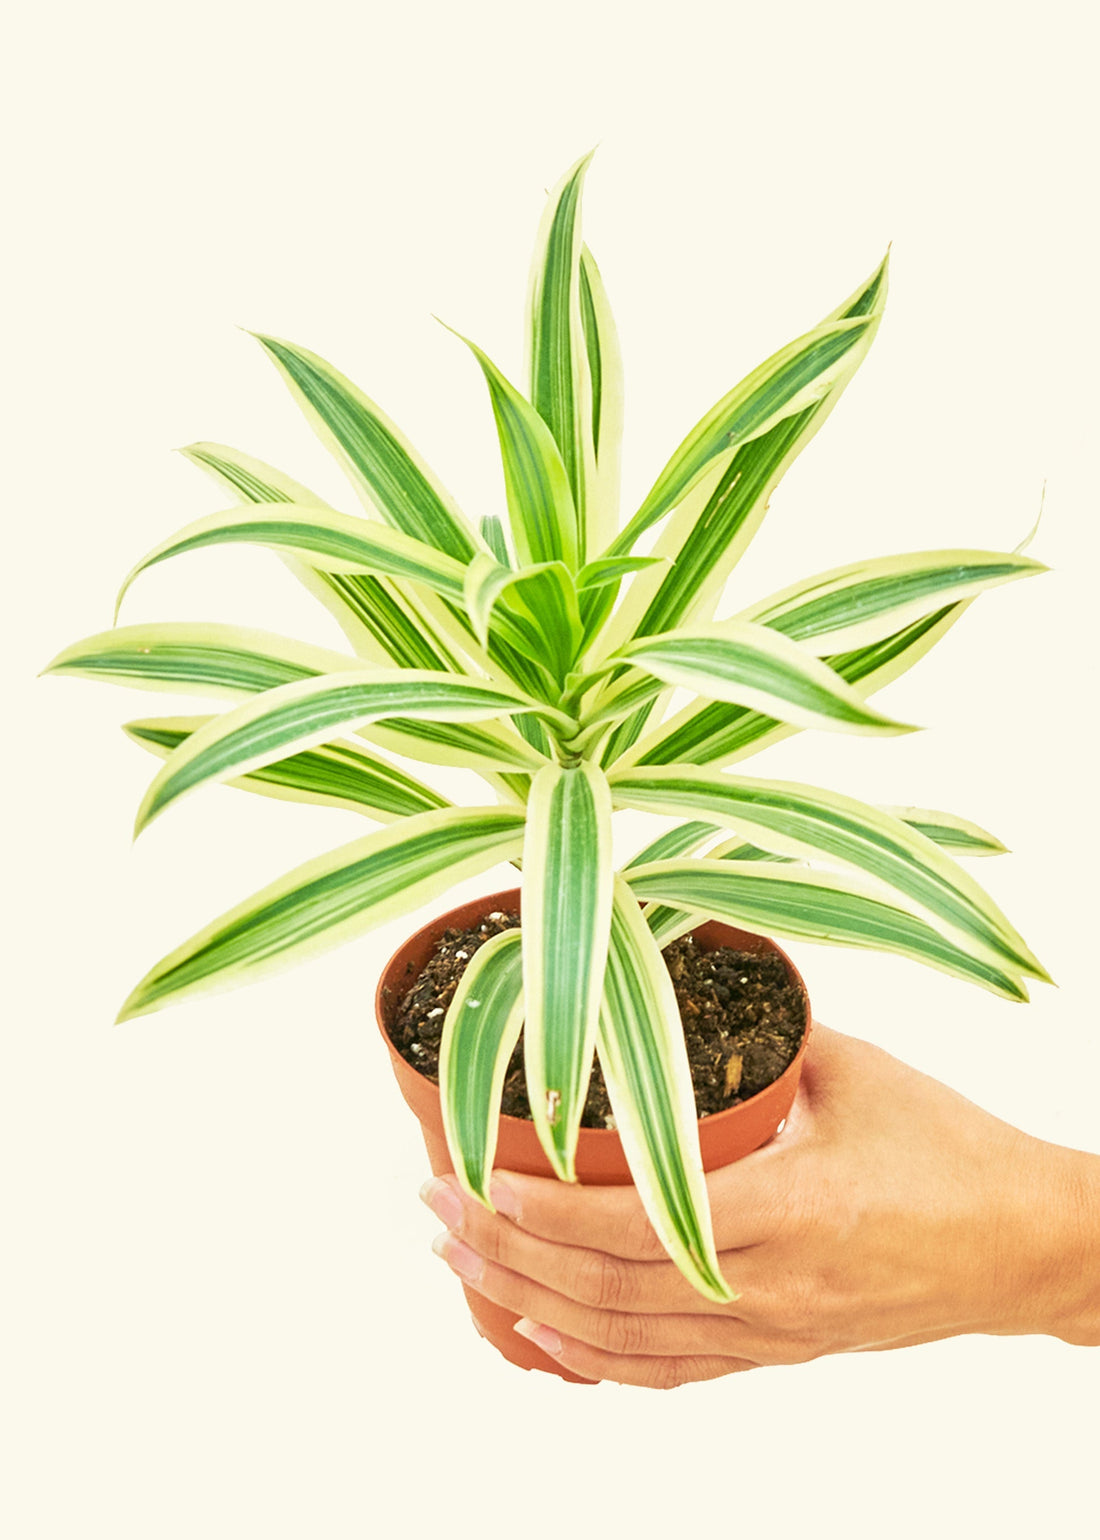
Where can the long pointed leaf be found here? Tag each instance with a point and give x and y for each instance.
(299, 716)
(809, 823)
(748, 665)
(537, 603)
(645, 1066)
(556, 339)
(796, 377)
(383, 622)
(717, 519)
(853, 606)
(797, 905)
(605, 393)
(716, 733)
(567, 879)
(540, 501)
(334, 774)
(330, 900)
(338, 541)
(381, 463)
(480, 1031)
(487, 747)
(949, 830)
(216, 660)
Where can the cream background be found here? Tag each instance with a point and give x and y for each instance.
(214, 1248)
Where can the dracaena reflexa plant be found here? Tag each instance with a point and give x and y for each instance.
(540, 650)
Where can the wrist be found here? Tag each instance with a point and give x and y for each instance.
(1078, 1320)
(1060, 1271)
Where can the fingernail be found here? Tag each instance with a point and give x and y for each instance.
(459, 1257)
(443, 1201)
(544, 1337)
(503, 1199)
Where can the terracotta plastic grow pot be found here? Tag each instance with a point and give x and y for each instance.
(724, 1136)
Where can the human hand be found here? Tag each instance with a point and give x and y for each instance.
(890, 1212)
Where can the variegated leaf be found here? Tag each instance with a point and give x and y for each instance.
(384, 623)
(212, 659)
(542, 512)
(487, 747)
(854, 606)
(645, 1067)
(332, 899)
(337, 541)
(567, 880)
(713, 732)
(794, 904)
(380, 462)
(748, 665)
(809, 823)
(555, 335)
(334, 774)
(605, 394)
(798, 376)
(716, 520)
(299, 716)
(949, 830)
(536, 604)
(480, 1030)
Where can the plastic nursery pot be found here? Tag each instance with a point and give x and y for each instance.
(723, 1136)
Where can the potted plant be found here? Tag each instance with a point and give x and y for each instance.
(540, 650)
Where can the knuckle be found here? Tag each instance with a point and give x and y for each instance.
(793, 1310)
(490, 1236)
(604, 1281)
(796, 1322)
(669, 1373)
(640, 1239)
(626, 1335)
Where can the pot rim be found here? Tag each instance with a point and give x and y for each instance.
(511, 898)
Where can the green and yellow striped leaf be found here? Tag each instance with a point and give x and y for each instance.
(334, 774)
(610, 570)
(956, 834)
(212, 659)
(538, 604)
(949, 830)
(791, 380)
(713, 732)
(667, 924)
(645, 1067)
(542, 512)
(380, 462)
(681, 840)
(480, 1030)
(748, 665)
(793, 904)
(384, 623)
(853, 606)
(487, 747)
(332, 899)
(337, 541)
(567, 881)
(717, 519)
(302, 715)
(253, 481)
(234, 661)
(495, 536)
(809, 823)
(555, 331)
(605, 393)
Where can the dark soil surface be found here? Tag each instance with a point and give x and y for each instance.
(743, 1021)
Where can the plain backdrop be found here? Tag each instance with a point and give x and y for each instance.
(221, 1316)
